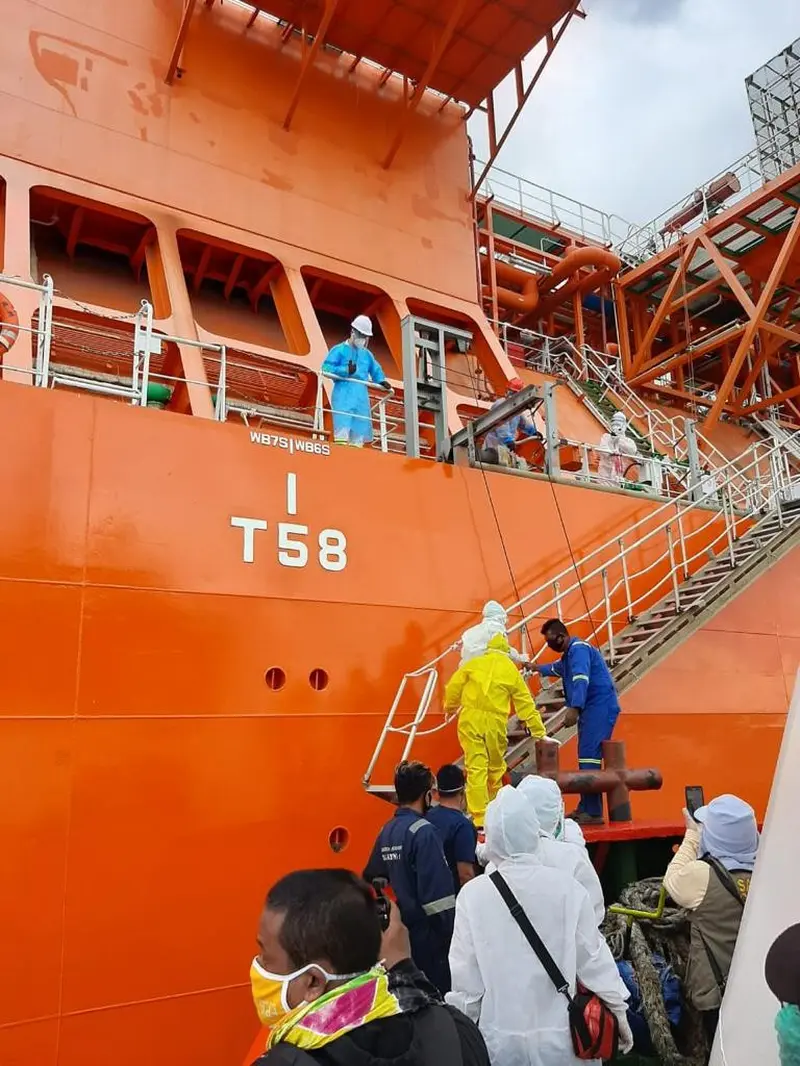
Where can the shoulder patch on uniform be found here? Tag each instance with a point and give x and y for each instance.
(419, 824)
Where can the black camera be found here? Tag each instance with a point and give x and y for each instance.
(382, 903)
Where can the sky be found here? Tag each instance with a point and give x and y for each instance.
(644, 100)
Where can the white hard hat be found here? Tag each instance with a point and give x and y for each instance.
(362, 324)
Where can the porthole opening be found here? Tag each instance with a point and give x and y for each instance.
(338, 839)
(275, 678)
(318, 679)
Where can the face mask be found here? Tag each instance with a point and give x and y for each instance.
(360, 342)
(427, 802)
(555, 643)
(271, 990)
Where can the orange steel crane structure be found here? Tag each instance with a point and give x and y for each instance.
(714, 319)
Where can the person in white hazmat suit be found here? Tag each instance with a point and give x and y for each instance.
(475, 640)
(573, 834)
(545, 797)
(618, 451)
(497, 980)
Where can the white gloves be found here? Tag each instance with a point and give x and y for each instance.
(625, 1034)
(481, 854)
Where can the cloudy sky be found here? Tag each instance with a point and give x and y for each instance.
(645, 99)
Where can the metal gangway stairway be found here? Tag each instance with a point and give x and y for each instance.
(698, 557)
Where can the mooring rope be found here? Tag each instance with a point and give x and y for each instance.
(667, 936)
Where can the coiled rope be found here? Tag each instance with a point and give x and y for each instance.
(667, 936)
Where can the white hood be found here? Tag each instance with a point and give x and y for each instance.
(544, 796)
(496, 611)
(573, 834)
(512, 828)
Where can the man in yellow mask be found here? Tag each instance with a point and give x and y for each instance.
(326, 999)
(485, 688)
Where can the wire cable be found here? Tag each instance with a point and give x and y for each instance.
(499, 527)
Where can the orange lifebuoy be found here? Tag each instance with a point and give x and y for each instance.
(9, 324)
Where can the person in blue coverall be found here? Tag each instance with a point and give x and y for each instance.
(591, 701)
(506, 433)
(351, 365)
(409, 855)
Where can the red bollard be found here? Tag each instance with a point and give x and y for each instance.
(615, 779)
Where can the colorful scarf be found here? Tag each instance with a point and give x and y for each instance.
(355, 1003)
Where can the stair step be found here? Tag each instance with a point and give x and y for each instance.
(626, 645)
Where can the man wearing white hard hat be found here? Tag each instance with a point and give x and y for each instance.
(352, 365)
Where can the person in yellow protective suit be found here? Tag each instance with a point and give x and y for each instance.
(485, 688)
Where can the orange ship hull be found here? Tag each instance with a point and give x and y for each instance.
(154, 784)
(186, 713)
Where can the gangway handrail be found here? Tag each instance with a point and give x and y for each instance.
(676, 553)
(670, 504)
(662, 431)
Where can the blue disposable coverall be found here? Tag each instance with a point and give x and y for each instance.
(506, 432)
(352, 420)
(409, 854)
(589, 688)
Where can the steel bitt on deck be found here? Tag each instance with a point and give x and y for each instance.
(615, 779)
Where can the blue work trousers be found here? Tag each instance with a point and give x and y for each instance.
(594, 726)
(430, 953)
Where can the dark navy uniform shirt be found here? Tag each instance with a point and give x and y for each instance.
(459, 838)
(409, 854)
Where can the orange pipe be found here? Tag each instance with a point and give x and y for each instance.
(580, 285)
(532, 288)
(526, 300)
(574, 260)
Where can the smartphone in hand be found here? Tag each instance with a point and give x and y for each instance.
(694, 798)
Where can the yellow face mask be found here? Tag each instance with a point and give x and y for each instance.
(271, 990)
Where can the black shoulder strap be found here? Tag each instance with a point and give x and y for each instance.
(530, 934)
(725, 879)
(439, 1036)
(712, 962)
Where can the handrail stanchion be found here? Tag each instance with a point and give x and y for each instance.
(673, 570)
(382, 423)
(146, 337)
(609, 616)
(387, 728)
(318, 424)
(557, 590)
(45, 337)
(727, 510)
(682, 539)
(422, 710)
(221, 406)
(585, 470)
(624, 558)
